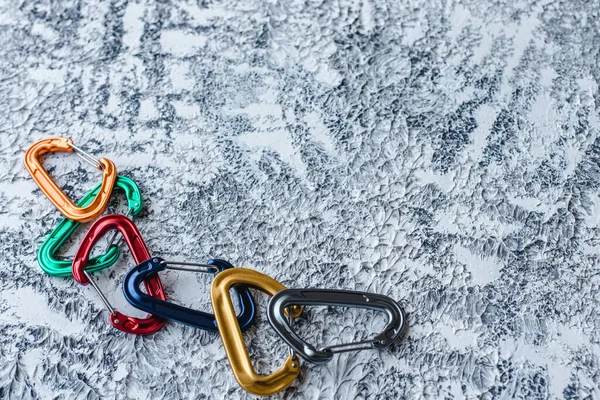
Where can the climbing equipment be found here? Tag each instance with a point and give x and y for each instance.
(231, 334)
(62, 268)
(284, 306)
(139, 250)
(328, 297)
(175, 312)
(60, 200)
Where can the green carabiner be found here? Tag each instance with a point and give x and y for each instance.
(62, 268)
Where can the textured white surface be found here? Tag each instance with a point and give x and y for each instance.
(444, 154)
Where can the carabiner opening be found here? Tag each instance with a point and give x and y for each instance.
(293, 354)
(351, 346)
(338, 348)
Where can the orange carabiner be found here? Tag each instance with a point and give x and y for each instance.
(60, 200)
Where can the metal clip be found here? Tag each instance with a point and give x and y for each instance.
(176, 312)
(325, 297)
(139, 250)
(291, 323)
(56, 196)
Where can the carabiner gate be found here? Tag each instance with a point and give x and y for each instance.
(139, 250)
(94, 162)
(60, 200)
(178, 313)
(395, 327)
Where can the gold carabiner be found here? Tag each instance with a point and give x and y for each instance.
(231, 334)
(60, 200)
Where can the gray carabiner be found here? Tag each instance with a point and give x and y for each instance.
(395, 327)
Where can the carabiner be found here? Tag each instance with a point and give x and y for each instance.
(395, 327)
(231, 334)
(62, 268)
(133, 237)
(55, 194)
(175, 312)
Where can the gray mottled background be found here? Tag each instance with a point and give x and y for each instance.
(445, 153)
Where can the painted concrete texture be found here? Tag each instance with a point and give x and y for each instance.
(445, 154)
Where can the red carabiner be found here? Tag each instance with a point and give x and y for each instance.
(139, 250)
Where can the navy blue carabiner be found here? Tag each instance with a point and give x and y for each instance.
(175, 312)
